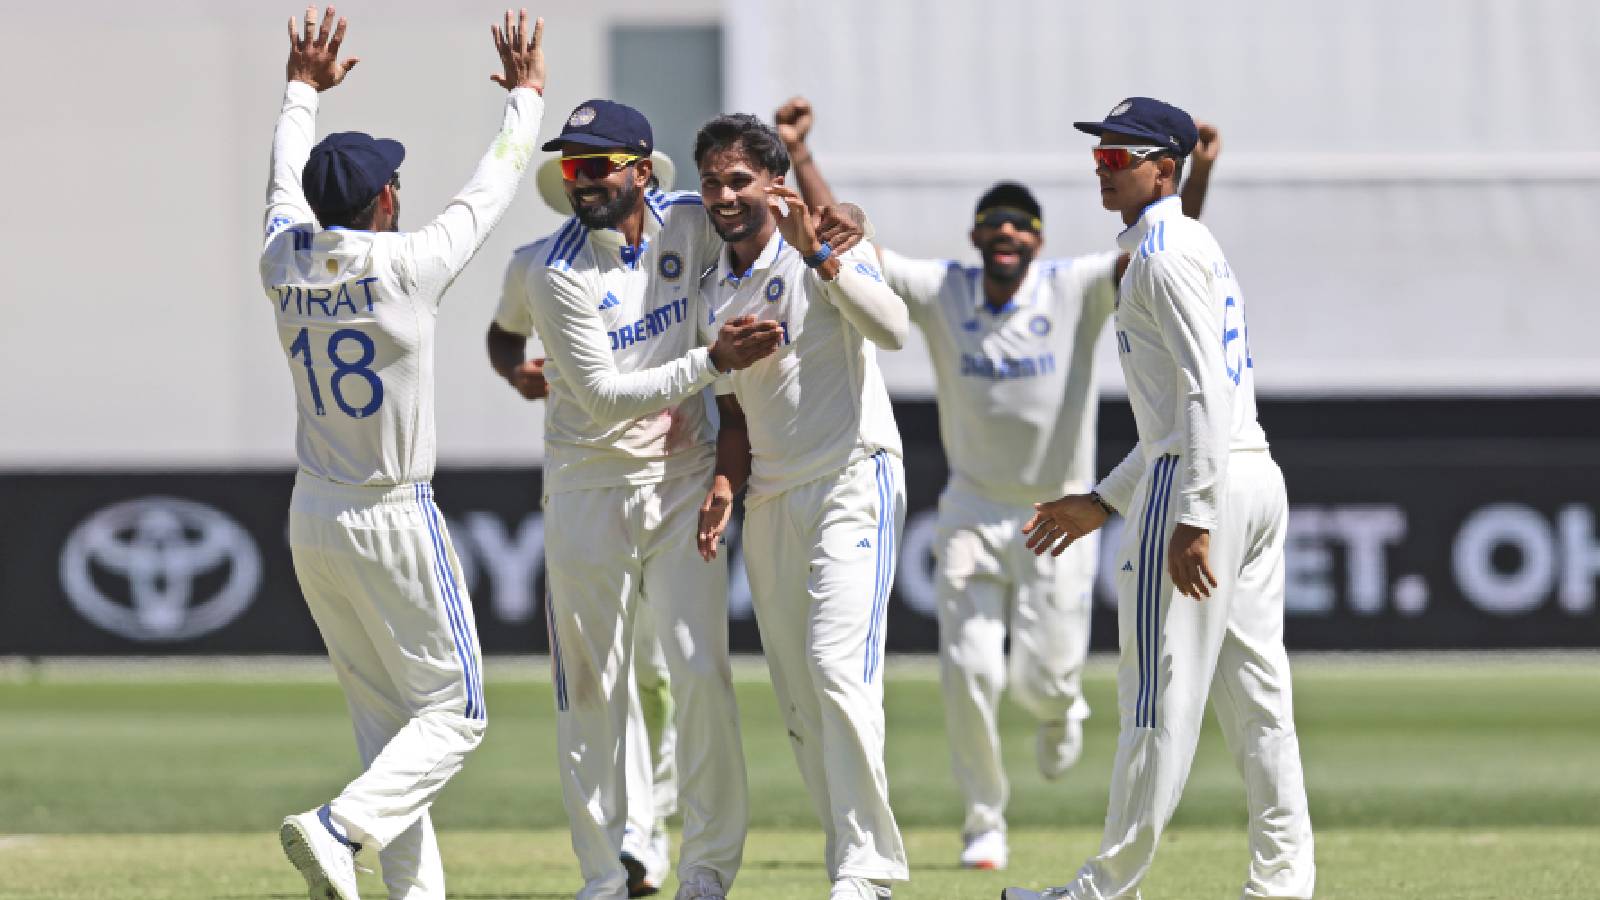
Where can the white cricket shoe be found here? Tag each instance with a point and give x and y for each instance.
(985, 851)
(1016, 893)
(701, 884)
(852, 888)
(1058, 746)
(325, 861)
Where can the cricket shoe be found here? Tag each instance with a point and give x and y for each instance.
(852, 888)
(639, 882)
(325, 860)
(985, 851)
(1058, 746)
(1016, 893)
(701, 884)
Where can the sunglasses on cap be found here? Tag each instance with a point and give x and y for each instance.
(595, 166)
(1021, 220)
(1117, 157)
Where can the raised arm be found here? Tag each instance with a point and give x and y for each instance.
(794, 121)
(313, 67)
(442, 248)
(1200, 163)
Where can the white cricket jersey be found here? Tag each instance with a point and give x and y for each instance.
(356, 309)
(618, 326)
(1185, 351)
(1016, 386)
(818, 403)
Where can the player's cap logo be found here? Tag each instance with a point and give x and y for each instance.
(774, 290)
(1039, 325)
(671, 266)
(160, 569)
(1120, 108)
(581, 116)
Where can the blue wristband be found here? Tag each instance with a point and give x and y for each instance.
(823, 254)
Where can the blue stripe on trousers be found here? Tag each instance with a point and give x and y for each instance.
(445, 578)
(884, 565)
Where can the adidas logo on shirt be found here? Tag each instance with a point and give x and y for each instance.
(864, 543)
(610, 301)
(1127, 566)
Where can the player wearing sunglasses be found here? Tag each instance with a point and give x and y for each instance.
(628, 457)
(1200, 576)
(1012, 344)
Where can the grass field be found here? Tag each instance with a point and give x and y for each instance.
(1459, 778)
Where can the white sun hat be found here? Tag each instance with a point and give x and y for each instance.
(553, 188)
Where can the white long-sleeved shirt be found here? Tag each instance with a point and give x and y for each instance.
(1185, 352)
(356, 309)
(1016, 386)
(818, 403)
(618, 327)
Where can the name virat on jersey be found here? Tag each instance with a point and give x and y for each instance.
(329, 300)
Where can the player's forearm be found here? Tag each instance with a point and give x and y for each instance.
(291, 145)
(612, 396)
(733, 453)
(506, 350)
(808, 177)
(868, 304)
(1119, 484)
(450, 240)
(1194, 189)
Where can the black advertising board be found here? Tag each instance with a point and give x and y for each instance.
(1414, 524)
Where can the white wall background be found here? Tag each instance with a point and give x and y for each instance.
(1409, 189)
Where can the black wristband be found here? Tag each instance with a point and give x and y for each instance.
(1101, 502)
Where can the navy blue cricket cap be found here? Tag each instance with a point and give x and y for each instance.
(606, 125)
(1152, 120)
(347, 169)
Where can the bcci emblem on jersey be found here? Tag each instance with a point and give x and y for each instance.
(774, 290)
(671, 266)
(1039, 325)
(160, 569)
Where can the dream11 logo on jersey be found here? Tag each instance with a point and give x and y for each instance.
(160, 569)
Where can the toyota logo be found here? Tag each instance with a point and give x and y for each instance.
(160, 569)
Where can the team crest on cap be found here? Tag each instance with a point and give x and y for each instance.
(671, 266)
(1039, 325)
(1120, 108)
(774, 289)
(581, 116)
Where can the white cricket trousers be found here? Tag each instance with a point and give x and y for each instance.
(606, 551)
(651, 741)
(1177, 651)
(382, 581)
(988, 583)
(821, 561)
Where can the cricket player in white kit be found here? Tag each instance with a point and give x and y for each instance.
(650, 745)
(813, 430)
(1200, 570)
(355, 302)
(629, 450)
(1012, 345)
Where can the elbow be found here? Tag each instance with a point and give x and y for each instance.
(896, 333)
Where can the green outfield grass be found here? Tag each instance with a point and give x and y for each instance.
(1466, 778)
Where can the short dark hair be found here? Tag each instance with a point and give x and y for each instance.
(1011, 195)
(1177, 170)
(358, 219)
(758, 140)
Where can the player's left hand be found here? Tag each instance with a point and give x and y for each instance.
(795, 224)
(714, 513)
(1056, 524)
(1210, 144)
(1189, 561)
(529, 380)
(842, 226)
(314, 52)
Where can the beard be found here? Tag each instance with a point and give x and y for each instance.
(394, 220)
(1010, 271)
(594, 211)
(749, 223)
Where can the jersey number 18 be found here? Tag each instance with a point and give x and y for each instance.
(342, 369)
